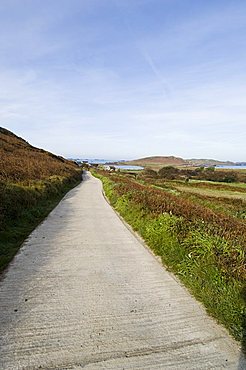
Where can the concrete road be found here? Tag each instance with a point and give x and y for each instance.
(84, 293)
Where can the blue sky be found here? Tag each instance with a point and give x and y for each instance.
(125, 78)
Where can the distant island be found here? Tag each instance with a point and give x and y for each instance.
(156, 162)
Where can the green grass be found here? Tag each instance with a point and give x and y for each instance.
(240, 185)
(232, 207)
(23, 207)
(227, 200)
(198, 258)
(213, 192)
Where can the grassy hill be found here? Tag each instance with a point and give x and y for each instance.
(209, 162)
(20, 161)
(32, 182)
(157, 162)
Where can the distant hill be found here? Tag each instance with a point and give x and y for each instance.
(20, 161)
(208, 162)
(156, 162)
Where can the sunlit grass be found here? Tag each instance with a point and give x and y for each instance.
(210, 262)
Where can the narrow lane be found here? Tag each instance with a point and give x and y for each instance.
(84, 293)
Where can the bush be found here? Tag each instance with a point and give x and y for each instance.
(168, 172)
(148, 172)
(218, 176)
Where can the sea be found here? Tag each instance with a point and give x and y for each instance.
(126, 167)
(233, 167)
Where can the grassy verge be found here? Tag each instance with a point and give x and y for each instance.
(210, 261)
(24, 205)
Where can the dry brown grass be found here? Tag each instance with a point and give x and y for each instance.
(19, 161)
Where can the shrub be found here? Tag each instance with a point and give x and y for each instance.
(148, 172)
(168, 172)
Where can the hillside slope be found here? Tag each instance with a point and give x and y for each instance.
(20, 161)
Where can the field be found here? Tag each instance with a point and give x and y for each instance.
(32, 182)
(199, 231)
(228, 199)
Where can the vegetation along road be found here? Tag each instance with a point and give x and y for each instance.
(83, 292)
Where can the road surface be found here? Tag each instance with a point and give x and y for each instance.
(84, 293)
